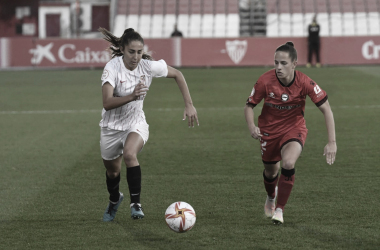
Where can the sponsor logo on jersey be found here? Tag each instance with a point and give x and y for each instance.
(284, 97)
(282, 107)
(236, 50)
(271, 95)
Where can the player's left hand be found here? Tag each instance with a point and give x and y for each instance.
(330, 152)
(192, 115)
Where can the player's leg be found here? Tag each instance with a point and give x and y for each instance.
(111, 150)
(270, 175)
(317, 47)
(113, 177)
(290, 152)
(133, 145)
(309, 55)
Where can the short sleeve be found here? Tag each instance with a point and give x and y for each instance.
(159, 68)
(257, 94)
(316, 94)
(109, 75)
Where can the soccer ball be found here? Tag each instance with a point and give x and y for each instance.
(180, 217)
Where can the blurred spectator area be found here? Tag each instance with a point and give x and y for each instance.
(18, 18)
(336, 17)
(194, 18)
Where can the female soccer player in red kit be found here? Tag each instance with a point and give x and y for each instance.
(282, 130)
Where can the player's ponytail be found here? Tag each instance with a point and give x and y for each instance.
(290, 44)
(116, 43)
(289, 47)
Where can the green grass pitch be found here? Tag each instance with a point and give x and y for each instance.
(52, 180)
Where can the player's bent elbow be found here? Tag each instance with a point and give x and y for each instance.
(106, 106)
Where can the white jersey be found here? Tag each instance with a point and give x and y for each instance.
(124, 82)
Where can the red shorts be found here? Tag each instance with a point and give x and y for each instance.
(271, 148)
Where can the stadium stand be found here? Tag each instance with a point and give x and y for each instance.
(336, 17)
(234, 18)
(194, 18)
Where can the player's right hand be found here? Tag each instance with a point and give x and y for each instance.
(255, 133)
(140, 90)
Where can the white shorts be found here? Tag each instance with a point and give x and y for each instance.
(112, 141)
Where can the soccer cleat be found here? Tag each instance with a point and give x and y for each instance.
(318, 65)
(111, 209)
(278, 218)
(308, 65)
(136, 211)
(270, 206)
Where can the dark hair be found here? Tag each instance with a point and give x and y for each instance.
(128, 36)
(289, 47)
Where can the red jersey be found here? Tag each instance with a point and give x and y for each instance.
(284, 106)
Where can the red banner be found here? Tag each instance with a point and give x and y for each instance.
(67, 53)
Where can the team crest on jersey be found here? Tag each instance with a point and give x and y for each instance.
(284, 97)
(105, 74)
(236, 50)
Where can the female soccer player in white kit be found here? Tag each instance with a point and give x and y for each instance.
(124, 131)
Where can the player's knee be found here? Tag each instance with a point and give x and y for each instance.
(112, 174)
(130, 158)
(271, 174)
(288, 164)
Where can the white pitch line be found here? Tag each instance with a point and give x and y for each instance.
(32, 112)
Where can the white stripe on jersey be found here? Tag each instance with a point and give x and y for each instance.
(124, 82)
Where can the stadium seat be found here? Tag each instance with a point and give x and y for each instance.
(183, 24)
(285, 24)
(336, 24)
(348, 24)
(272, 25)
(132, 22)
(169, 22)
(207, 25)
(157, 26)
(220, 25)
(298, 28)
(195, 25)
(361, 24)
(144, 25)
(233, 23)
(323, 20)
(374, 28)
(120, 24)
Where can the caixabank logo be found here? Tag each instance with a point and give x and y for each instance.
(370, 50)
(67, 54)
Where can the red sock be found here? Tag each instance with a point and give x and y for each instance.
(270, 185)
(285, 185)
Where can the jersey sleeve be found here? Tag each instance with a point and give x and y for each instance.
(109, 75)
(159, 68)
(257, 94)
(316, 94)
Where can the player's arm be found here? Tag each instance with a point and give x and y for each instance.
(190, 110)
(112, 102)
(250, 119)
(331, 148)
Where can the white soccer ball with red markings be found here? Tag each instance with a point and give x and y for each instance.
(180, 217)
